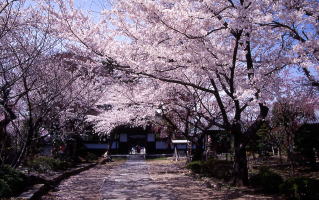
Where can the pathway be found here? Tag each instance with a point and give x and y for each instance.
(85, 185)
(130, 181)
(138, 179)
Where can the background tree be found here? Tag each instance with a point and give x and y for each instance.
(21, 47)
(187, 114)
(306, 142)
(288, 115)
(40, 84)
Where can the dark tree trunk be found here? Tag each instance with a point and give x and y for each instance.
(9, 116)
(240, 141)
(25, 150)
(3, 137)
(240, 159)
(109, 149)
(199, 151)
(198, 154)
(280, 155)
(240, 166)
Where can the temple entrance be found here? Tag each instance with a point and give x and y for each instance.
(137, 143)
(136, 140)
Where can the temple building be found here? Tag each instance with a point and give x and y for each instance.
(125, 139)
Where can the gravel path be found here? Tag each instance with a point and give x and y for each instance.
(85, 185)
(132, 181)
(139, 179)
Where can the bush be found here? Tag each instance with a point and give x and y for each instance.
(12, 182)
(220, 169)
(266, 180)
(195, 166)
(91, 157)
(5, 190)
(300, 188)
(44, 164)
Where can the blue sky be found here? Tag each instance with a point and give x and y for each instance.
(93, 5)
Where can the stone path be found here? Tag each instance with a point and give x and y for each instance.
(139, 179)
(134, 181)
(85, 185)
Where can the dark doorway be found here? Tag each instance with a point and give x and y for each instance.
(136, 138)
(137, 143)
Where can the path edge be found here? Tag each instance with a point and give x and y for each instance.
(38, 190)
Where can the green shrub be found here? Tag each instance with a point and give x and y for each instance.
(220, 169)
(12, 181)
(5, 190)
(195, 166)
(91, 157)
(44, 164)
(266, 180)
(300, 188)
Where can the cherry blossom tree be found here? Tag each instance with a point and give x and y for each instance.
(236, 49)
(296, 22)
(21, 46)
(62, 94)
(126, 104)
(39, 85)
(187, 112)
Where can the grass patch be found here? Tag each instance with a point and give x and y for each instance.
(91, 157)
(119, 158)
(12, 181)
(266, 180)
(44, 164)
(296, 188)
(158, 158)
(300, 188)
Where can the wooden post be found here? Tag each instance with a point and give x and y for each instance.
(175, 153)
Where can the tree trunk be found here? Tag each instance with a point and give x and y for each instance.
(9, 116)
(280, 155)
(290, 152)
(240, 141)
(110, 143)
(109, 148)
(240, 160)
(189, 151)
(199, 151)
(25, 149)
(3, 137)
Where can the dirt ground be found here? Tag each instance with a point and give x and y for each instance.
(169, 171)
(283, 168)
